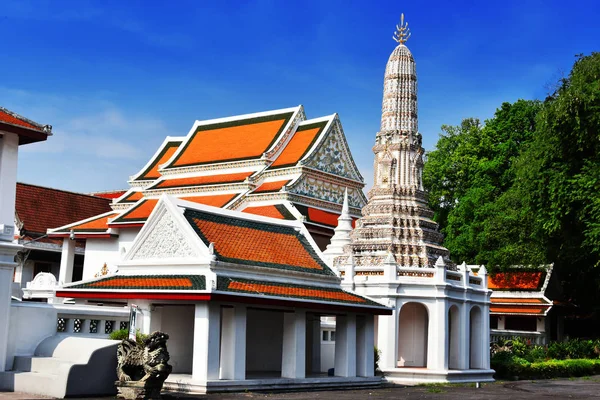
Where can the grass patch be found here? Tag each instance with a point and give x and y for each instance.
(435, 390)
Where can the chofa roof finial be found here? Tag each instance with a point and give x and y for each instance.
(402, 32)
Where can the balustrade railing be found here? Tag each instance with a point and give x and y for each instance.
(538, 338)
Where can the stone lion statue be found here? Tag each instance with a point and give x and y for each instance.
(144, 365)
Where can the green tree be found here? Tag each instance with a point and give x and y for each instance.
(560, 176)
(470, 169)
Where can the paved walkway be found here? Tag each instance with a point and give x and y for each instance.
(580, 388)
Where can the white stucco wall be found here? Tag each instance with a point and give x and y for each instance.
(29, 325)
(264, 340)
(178, 322)
(109, 251)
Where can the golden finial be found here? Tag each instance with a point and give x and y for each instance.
(402, 32)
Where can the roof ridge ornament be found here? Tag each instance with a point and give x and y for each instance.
(402, 33)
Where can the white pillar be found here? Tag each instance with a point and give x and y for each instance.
(67, 260)
(437, 346)
(485, 336)
(9, 149)
(465, 336)
(345, 345)
(233, 343)
(313, 343)
(205, 364)
(293, 363)
(365, 344)
(387, 340)
(501, 321)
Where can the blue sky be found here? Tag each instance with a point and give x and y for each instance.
(115, 77)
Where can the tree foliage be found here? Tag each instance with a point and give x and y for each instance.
(525, 187)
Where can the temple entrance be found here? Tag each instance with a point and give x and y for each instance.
(412, 335)
(453, 338)
(475, 346)
(264, 343)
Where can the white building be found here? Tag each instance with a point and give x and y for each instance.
(439, 328)
(15, 130)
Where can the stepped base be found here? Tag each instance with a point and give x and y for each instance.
(412, 376)
(179, 383)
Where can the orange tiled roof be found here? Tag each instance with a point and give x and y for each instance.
(109, 195)
(202, 180)
(517, 280)
(132, 197)
(519, 300)
(217, 200)
(230, 141)
(525, 310)
(271, 186)
(301, 142)
(278, 211)
(318, 216)
(137, 213)
(166, 153)
(249, 242)
(145, 282)
(99, 224)
(15, 119)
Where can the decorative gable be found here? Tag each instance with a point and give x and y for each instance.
(333, 155)
(165, 240)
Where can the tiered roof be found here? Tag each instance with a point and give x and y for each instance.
(247, 258)
(259, 163)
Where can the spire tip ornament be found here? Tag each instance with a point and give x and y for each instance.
(402, 33)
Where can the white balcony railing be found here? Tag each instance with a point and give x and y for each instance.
(538, 338)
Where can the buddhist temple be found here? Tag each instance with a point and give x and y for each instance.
(277, 164)
(439, 329)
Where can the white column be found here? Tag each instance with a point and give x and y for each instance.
(345, 345)
(67, 259)
(387, 340)
(365, 343)
(293, 363)
(501, 321)
(143, 317)
(485, 337)
(437, 346)
(465, 336)
(205, 364)
(9, 149)
(313, 343)
(233, 343)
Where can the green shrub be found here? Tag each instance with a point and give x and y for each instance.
(536, 354)
(376, 359)
(510, 366)
(123, 334)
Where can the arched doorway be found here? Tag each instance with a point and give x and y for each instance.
(412, 335)
(476, 341)
(454, 338)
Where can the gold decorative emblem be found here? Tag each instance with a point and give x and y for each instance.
(402, 32)
(103, 271)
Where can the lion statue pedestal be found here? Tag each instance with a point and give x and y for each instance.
(142, 369)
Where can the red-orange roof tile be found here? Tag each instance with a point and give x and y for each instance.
(13, 119)
(273, 211)
(152, 171)
(138, 213)
(41, 208)
(300, 144)
(132, 197)
(517, 280)
(271, 186)
(518, 310)
(251, 242)
(519, 300)
(145, 282)
(229, 141)
(202, 180)
(217, 200)
(109, 195)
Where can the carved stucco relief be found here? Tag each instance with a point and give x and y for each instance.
(165, 241)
